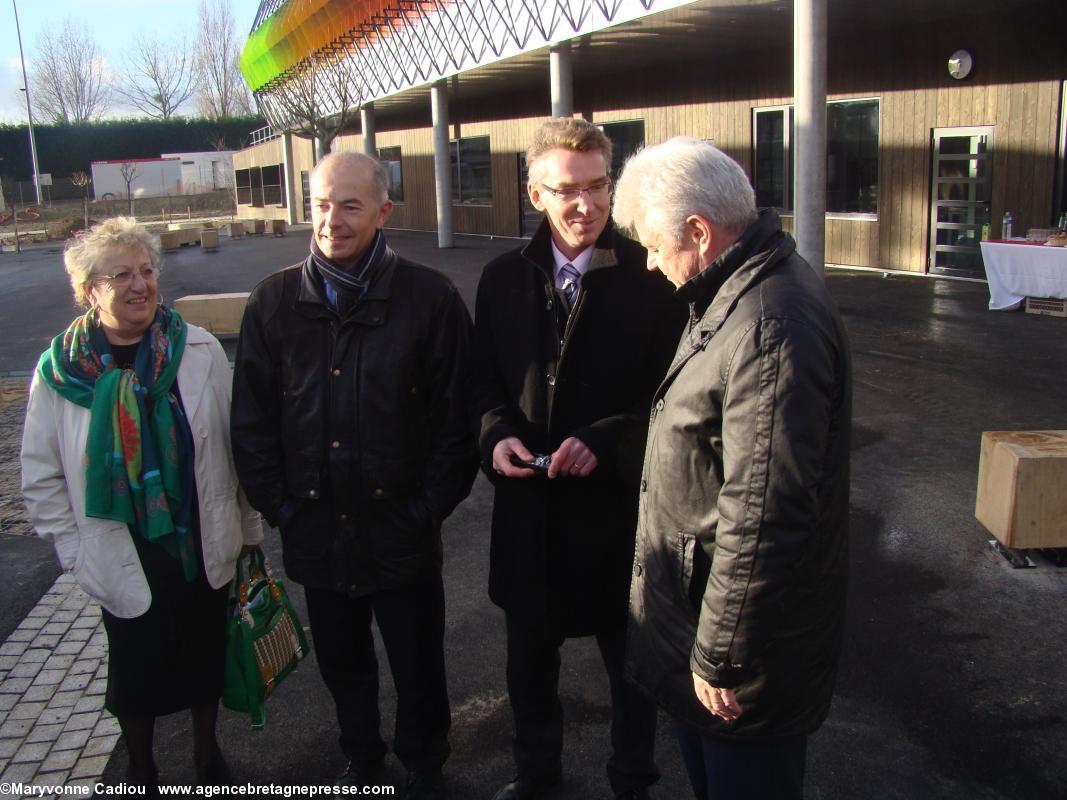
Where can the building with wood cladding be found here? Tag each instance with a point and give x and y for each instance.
(940, 116)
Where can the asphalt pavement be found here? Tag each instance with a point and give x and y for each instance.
(952, 683)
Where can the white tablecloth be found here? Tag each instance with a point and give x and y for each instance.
(1018, 271)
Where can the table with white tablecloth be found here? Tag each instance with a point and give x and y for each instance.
(1016, 271)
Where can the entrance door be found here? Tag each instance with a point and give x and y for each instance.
(959, 199)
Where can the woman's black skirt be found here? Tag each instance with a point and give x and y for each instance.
(171, 657)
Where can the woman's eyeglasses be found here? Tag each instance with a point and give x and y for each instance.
(125, 278)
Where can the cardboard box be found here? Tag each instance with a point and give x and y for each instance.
(1047, 306)
(1022, 487)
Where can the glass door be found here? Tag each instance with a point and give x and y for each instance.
(959, 199)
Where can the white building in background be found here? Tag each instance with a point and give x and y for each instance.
(204, 172)
(151, 177)
(170, 174)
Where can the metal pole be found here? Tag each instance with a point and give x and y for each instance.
(809, 117)
(29, 113)
(442, 162)
(289, 177)
(15, 219)
(366, 121)
(561, 78)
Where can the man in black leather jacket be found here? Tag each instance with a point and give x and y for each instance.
(350, 436)
(737, 599)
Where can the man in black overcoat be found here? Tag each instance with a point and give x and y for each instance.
(572, 336)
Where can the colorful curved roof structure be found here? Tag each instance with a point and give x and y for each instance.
(349, 52)
(298, 28)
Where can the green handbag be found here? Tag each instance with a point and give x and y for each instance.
(264, 638)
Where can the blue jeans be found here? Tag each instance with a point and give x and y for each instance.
(728, 769)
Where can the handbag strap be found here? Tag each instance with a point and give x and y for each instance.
(242, 584)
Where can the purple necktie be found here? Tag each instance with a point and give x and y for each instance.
(569, 275)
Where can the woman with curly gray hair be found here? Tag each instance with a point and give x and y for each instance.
(126, 467)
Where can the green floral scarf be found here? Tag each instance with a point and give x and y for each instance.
(139, 453)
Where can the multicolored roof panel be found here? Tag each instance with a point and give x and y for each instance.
(347, 53)
(298, 28)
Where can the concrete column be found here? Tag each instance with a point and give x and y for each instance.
(561, 76)
(809, 120)
(442, 166)
(366, 121)
(289, 176)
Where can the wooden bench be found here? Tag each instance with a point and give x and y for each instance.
(254, 227)
(218, 313)
(179, 237)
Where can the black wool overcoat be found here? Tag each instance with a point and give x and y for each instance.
(562, 549)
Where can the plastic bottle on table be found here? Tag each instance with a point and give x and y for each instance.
(1005, 228)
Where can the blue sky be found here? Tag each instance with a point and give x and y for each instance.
(114, 24)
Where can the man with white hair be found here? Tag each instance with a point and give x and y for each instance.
(737, 600)
(350, 435)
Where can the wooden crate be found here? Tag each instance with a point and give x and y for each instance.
(1022, 487)
(277, 227)
(235, 230)
(209, 239)
(168, 240)
(1047, 306)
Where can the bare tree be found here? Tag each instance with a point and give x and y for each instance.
(318, 99)
(82, 179)
(129, 174)
(159, 76)
(68, 76)
(222, 91)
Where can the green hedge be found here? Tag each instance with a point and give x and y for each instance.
(63, 149)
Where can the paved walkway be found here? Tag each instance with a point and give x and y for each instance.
(54, 730)
(931, 703)
(53, 727)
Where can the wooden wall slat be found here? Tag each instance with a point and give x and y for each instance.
(1015, 87)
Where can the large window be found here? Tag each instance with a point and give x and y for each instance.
(390, 159)
(626, 139)
(273, 193)
(472, 174)
(242, 182)
(851, 157)
(260, 186)
(774, 157)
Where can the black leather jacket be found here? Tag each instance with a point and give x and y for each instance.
(741, 556)
(350, 434)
